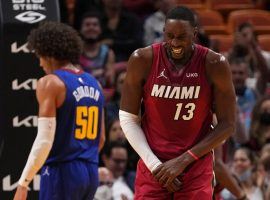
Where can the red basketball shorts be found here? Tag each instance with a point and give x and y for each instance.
(197, 183)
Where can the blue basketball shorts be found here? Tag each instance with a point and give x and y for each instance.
(75, 180)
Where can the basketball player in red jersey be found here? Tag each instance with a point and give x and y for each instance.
(178, 83)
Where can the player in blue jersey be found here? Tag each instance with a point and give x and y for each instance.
(70, 124)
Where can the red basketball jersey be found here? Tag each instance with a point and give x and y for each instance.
(177, 103)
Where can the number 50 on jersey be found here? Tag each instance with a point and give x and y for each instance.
(87, 122)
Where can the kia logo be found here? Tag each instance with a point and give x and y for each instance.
(30, 121)
(30, 17)
(29, 84)
(15, 48)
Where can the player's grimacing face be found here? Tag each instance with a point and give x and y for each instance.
(179, 36)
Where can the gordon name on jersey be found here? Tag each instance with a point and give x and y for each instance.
(86, 91)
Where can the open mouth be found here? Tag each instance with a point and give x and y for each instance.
(177, 51)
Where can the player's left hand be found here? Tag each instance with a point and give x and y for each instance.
(168, 171)
(21, 193)
(174, 186)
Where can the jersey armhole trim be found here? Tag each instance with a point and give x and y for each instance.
(66, 88)
(152, 67)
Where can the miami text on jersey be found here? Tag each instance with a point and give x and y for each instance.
(175, 92)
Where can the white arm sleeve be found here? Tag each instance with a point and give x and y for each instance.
(135, 135)
(40, 149)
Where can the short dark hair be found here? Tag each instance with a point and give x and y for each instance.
(247, 25)
(57, 40)
(182, 13)
(250, 154)
(111, 145)
(92, 14)
(237, 61)
(244, 25)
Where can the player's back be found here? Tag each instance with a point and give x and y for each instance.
(177, 103)
(79, 119)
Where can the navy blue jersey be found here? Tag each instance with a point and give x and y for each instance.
(79, 119)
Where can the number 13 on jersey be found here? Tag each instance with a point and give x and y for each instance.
(190, 111)
(87, 122)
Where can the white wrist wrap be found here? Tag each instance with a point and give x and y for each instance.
(40, 149)
(134, 134)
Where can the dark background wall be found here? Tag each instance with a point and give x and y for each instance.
(19, 72)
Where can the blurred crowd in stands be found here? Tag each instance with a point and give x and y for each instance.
(239, 29)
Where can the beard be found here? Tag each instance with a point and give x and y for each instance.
(240, 50)
(90, 40)
(240, 91)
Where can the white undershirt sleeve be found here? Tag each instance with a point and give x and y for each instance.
(40, 149)
(130, 124)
